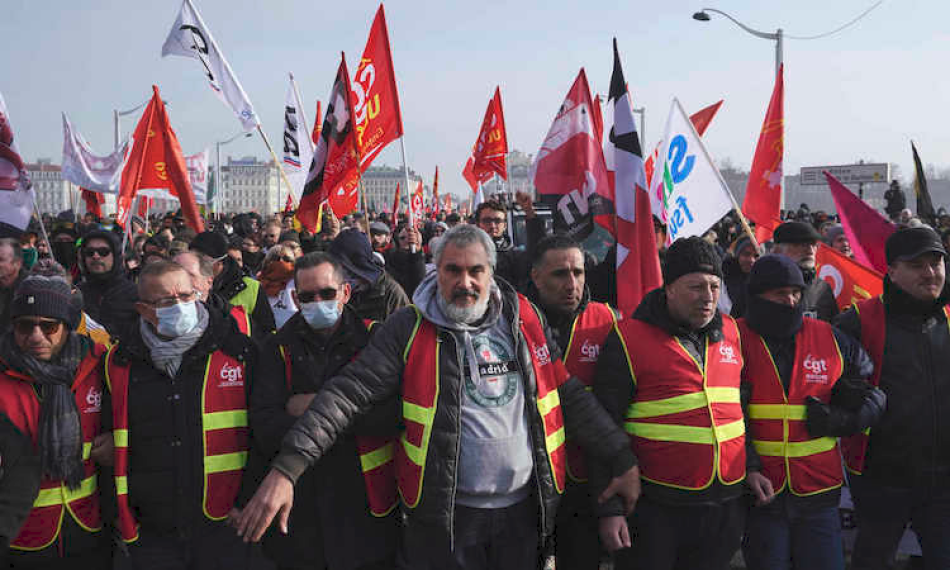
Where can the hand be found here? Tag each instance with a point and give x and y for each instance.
(614, 533)
(761, 487)
(414, 238)
(524, 200)
(627, 486)
(103, 449)
(332, 223)
(298, 404)
(274, 497)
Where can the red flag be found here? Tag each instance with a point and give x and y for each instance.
(145, 204)
(448, 203)
(491, 149)
(396, 203)
(334, 173)
(375, 99)
(156, 161)
(598, 119)
(867, 230)
(850, 281)
(93, 200)
(763, 193)
(700, 120)
(317, 124)
(435, 191)
(289, 205)
(468, 174)
(569, 170)
(416, 204)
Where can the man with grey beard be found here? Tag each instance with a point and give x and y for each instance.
(486, 403)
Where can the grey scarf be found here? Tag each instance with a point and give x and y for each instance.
(167, 353)
(60, 431)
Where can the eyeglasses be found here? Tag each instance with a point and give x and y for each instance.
(97, 251)
(24, 327)
(327, 294)
(492, 221)
(173, 300)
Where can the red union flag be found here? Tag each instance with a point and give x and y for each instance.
(491, 148)
(375, 98)
(763, 193)
(850, 281)
(416, 204)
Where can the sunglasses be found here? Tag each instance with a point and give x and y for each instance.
(24, 327)
(100, 251)
(288, 258)
(327, 294)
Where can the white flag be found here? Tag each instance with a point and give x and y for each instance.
(298, 147)
(190, 37)
(694, 194)
(197, 165)
(84, 168)
(16, 189)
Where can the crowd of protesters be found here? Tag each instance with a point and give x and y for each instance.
(430, 395)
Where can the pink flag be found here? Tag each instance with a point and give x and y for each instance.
(855, 214)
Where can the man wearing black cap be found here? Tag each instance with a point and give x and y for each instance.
(108, 294)
(375, 294)
(380, 234)
(670, 375)
(51, 387)
(799, 241)
(803, 387)
(902, 468)
(232, 285)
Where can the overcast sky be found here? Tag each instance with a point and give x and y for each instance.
(862, 93)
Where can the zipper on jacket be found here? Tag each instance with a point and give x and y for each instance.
(933, 403)
(458, 439)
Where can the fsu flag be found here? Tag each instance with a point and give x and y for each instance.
(491, 149)
(638, 264)
(93, 200)
(850, 281)
(317, 124)
(763, 193)
(867, 230)
(156, 162)
(396, 203)
(435, 191)
(468, 173)
(569, 171)
(84, 168)
(416, 204)
(334, 172)
(375, 98)
(598, 119)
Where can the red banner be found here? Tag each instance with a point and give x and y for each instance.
(763, 193)
(491, 149)
(416, 204)
(396, 204)
(849, 280)
(375, 99)
(93, 200)
(435, 191)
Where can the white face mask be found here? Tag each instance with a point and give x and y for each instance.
(177, 320)
(320, 314)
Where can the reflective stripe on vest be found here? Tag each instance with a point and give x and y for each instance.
(685, 422)
(247, 297)
(19, 402)
(588, 333)
(790, 456)
(242, 318)
(224, 436)
(420, 392)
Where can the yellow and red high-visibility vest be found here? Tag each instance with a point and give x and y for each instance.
(19, 401)
(588, 333)
(242, 318)
(685, 422)
(808, 465)
(376, 455)
(420, 396)
(873, 332)
(224, 436)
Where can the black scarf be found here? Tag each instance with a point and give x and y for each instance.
(901, 302)
(774, 320)
(60, 432)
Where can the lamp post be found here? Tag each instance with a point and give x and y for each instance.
(217, 164)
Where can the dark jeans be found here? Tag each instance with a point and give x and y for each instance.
(669, 537)
(485, 539)
(789, 533)
(882, 512)
(576, 544)
(221, 549)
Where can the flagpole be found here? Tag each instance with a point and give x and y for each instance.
(273, 155)
(39, 218)
(303, 121)
(405, 170)
(735, 205)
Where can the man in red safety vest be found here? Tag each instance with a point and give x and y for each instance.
(486, 408)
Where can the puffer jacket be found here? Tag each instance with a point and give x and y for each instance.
(109, 299)
(232, 281)
(377, 375)
(818, 298)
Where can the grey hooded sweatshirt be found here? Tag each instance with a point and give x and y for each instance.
(495, 458)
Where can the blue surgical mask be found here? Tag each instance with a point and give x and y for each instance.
(177, 320)
(320, 314)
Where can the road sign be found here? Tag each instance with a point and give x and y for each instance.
(846, 173)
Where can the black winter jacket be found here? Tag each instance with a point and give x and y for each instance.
(381, 299)
(910, 447)
(376, 376)
(166, 443)
(407, 268)
(109, 299)
(20, 477)
(330, 525)
(229, 283)
(819, 299)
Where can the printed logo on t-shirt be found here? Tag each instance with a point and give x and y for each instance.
(498, 374)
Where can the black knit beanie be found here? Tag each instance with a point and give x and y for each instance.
(690, 255)
(49, 297)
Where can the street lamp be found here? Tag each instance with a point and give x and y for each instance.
(217, 165)
(116, 114)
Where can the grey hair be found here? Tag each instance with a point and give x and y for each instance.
(464, 235)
